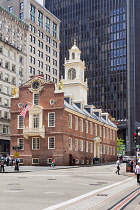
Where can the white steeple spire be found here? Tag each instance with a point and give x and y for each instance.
(74, 75)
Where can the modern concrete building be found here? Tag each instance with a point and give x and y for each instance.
(13, 57)
(59, 124)
(43, 37)
(107, 32)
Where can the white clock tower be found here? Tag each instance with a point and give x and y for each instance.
(74, 76)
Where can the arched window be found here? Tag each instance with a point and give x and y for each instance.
(71, 74)
(73, 55)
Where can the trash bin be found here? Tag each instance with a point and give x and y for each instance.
(128, 167)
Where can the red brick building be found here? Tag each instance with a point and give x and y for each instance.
(57, 125)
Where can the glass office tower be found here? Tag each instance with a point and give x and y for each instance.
(107, 33)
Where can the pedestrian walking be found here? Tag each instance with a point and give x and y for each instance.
(73, 161)
(118, 164)
(17, 164)
(7, 161)
(137, 171)
(93, 160)
(132, 165)
(53, 162)
(2, 166)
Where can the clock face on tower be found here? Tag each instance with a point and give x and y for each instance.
(36, 84)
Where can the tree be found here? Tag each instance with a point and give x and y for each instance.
(120, 146)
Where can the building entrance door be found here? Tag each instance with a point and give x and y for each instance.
(70, 159)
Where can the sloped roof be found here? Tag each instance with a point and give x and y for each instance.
(86, 113)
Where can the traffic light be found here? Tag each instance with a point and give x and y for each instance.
(135, 137)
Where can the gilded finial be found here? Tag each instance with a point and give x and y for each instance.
(60, 85)
(74, 41)
(14, 91)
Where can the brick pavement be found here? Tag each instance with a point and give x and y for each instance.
(94, 199)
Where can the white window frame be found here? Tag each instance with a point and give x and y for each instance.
(113, 150)
(20, 143)
(51, 120)
(82, 161)
(21, 161)
(87, 161)
(86, 126)
(36, 98)
(103, 132)
(50, 138)
(91, 128)
(49, 161)
(100, 129)
(70, 143)
(20, 124)
(35, 120)
(103, 146)
(107, 136)
(76, 123)
(37, 146)
(91, 147)
(110, 150)
(70, 121)
(81, 124)
(81, 145)
(113, 135)
(6, 129)
(76, 144)
(107, 149)
(76, 161)
(110, 134)
(95, 129)
(86, 146)
(35, 159)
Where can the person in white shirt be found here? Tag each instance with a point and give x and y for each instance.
(137, 171)
(118, 164)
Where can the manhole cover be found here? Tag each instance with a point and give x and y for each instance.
(22, 177)
(14, 184)
(102, 182)
(16, 189)
(94, 184)
(51, 179)
(102, 195)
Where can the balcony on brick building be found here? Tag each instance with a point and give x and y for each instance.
(34, 132)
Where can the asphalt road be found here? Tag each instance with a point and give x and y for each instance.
(42, 188)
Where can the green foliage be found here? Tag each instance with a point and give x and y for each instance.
(120, 146)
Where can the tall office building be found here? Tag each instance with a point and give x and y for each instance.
(42, 37)
(107, 32)
(13, 57)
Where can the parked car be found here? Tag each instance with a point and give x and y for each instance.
(126, 159)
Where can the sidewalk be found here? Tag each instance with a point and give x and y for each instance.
(23, 169)
(10, 169)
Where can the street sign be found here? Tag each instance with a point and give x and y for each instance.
(16, 154)
(137, 146)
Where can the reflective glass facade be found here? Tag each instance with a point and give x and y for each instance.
(107, 36)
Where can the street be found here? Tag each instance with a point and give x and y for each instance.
(94, 187)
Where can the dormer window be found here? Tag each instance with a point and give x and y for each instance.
(73, 55)
(71, 74)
